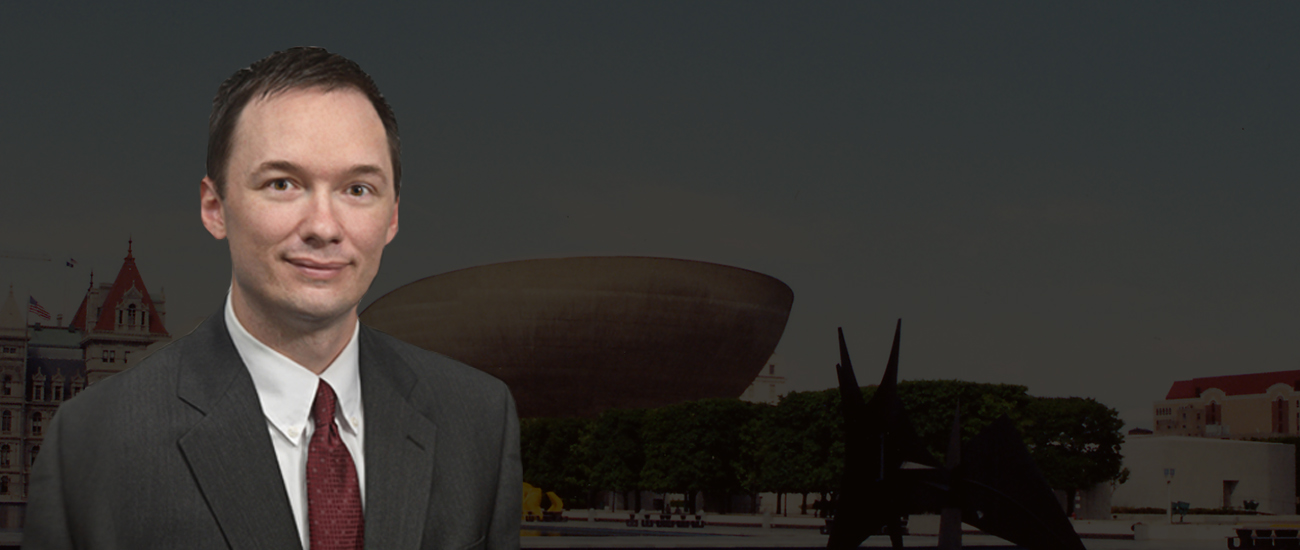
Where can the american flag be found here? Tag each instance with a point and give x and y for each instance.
(35, 307)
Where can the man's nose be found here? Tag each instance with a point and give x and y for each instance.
(321, 226)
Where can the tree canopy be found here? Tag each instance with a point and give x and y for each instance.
(694, 446)
(1074, 440)
(797, 445)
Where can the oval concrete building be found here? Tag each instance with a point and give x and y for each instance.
(576, 336)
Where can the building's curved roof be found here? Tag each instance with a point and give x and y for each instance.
(575, 336)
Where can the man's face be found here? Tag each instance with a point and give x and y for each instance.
(309, 203)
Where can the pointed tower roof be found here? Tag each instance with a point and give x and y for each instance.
(79, 319)
(10, 316)
(127, 278)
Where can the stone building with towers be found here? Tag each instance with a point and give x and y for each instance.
(42, 365)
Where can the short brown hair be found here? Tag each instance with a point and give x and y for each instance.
(294, 68)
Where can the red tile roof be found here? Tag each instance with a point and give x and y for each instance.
(127, 277)
(79, 320)
(1236, 384)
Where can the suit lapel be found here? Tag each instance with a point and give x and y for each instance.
(399, 447)
(229, 451)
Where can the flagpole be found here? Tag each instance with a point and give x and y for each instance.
(27, 340)
(72, 266)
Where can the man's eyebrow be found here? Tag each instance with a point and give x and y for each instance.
(365, 169)
(286, 166)
(278, 165)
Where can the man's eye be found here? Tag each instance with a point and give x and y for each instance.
(280, 184)
(358, 190)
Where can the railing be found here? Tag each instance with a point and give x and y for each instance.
(665, 520)
(1265, 538)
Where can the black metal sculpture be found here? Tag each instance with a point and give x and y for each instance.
(888, 474)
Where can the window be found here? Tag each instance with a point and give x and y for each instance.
(36, 423)
(58, 392)
(36, 449)
(9, 379)
(7, 421)
(105, 358)
(4, 456)
(130, 315)
(1281, 415)
(4, 485)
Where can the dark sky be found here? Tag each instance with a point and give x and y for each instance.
(1089, 200)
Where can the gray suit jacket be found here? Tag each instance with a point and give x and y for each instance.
(175, 453)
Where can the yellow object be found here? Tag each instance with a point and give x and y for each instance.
(557, 505)
(532, 501)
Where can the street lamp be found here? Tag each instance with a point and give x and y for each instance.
(1169, 492)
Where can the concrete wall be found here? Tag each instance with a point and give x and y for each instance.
(1094, 503)
(1264, 472)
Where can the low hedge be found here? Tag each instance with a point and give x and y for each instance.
(1191, 512)
(1127, 510)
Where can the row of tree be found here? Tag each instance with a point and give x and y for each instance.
(729, 446)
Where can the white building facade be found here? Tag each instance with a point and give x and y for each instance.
(1207, 473)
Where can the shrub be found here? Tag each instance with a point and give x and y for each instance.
(1128, 510)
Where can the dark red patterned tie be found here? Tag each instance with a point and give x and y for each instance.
(333, 494)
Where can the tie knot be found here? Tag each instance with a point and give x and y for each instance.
(322, 409)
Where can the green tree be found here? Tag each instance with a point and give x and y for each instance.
(931, 403)
(796, 446)
(552, 456)
(1075, 441)
(612, 451)
(694, 446)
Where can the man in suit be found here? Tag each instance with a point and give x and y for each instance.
(282, 422)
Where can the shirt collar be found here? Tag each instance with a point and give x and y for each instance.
(287, 389)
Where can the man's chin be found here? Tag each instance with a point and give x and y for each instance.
(317, 313)
(318, 310)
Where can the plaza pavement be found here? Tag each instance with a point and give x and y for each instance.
(606, 530)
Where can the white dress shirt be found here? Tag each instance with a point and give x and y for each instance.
(286, 391)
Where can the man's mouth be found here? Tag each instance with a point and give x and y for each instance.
(318, 269)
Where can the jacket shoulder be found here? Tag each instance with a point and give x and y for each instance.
(153, 377)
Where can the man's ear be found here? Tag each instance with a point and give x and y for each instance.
(211, 209)
(392, 226)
